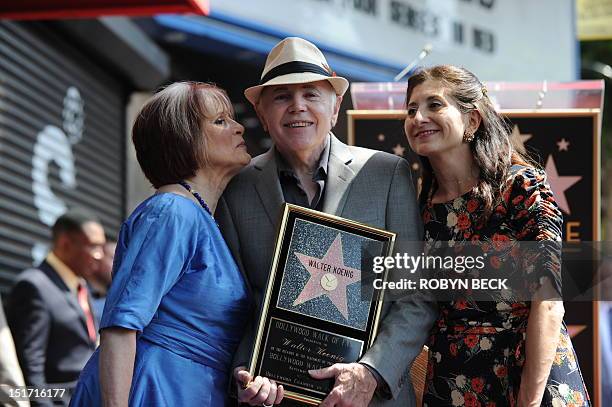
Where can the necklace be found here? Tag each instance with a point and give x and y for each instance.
(196, 196)
(434, 188)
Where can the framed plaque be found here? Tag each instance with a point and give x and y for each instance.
(320, 307)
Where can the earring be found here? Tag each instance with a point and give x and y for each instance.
(468, 136)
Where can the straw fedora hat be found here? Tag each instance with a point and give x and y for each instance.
(295, 60)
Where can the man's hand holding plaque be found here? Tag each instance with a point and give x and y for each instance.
(354, 384)
(320, 312)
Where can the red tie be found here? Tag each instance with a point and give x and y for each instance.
(84, 303)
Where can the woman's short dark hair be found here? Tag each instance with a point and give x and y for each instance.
(168, 133)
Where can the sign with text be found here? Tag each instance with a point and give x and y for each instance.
(491, 37)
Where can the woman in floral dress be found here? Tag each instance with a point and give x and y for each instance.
(497, 347)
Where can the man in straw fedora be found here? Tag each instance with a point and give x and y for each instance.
(297, 102)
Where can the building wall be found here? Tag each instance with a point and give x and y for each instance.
(61, 141)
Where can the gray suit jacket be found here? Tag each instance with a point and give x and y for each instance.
(368, 186)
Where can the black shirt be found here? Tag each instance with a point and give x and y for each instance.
(293, 192)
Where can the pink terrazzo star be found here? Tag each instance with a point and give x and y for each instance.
(328, 276)
(559, 184)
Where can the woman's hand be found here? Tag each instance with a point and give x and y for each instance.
(525, 401)
(543, 330)
(117, 354)
(257, 391)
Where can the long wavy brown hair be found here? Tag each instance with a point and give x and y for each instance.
(492, 149)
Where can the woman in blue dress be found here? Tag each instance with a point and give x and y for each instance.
(178, 303)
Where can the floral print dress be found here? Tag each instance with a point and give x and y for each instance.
(477, 346)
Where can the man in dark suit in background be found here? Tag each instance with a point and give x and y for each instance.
(49, 310)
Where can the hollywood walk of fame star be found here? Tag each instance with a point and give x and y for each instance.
(518, 139)
(559, 184)
(574, 330)
(563, 144)
(381, 137)
(328, 276)
(399, 150)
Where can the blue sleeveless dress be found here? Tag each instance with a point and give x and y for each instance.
(176, 283)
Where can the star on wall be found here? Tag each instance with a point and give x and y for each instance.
(574, 330)
(559, 184)
(518, 139)
(330, 266)
(398, 150)
(563, 144)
